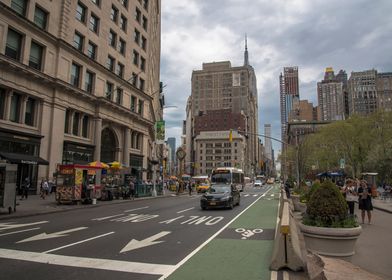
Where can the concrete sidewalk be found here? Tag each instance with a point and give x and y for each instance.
(35, 205)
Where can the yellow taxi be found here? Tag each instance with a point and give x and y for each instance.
(202, 188)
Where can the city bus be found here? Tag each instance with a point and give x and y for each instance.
(229, 175)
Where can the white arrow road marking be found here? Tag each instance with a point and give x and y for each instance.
(185, 210)
(102, 264)
(255, 195)
(246, 195)
(50, 235)
(105, 218)
(23, 230)
(136, 244)
(76, 243)
(5, 226)
(131, 210)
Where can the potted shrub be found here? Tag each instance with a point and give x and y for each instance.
(327, 228)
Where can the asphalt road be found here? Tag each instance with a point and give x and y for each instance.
(142, 239)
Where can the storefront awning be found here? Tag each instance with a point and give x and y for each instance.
(25, 159)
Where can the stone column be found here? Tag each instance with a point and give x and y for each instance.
(98, 134)
(127, 134)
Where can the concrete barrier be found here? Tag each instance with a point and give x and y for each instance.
(286, 252)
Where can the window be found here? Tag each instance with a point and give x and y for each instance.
(142, 63)
(122, 46)
(135, 57)
(110, 63)
(92, 50)
(136, 36)
(133, 103)
(112, 38)
(145, 23)
(124, 3)
(19, 6)
(144, 43)
(75, 124)
(81, 12)
(141, 84)
(66, 125)
(119, 95)
(96, 2)
(120, 70)
(2, 102)
(138, 15)
(78, 41)
(114, 14)
(40, 17)
(89, 82)
(140, 107)
(30, 110)
(145, 4)
(94, 23)
(75, 75)
(15, 107)
(36, 52)
(123, 23)
(134, 79)
(109, 90)
(13, 47)
(85, 126)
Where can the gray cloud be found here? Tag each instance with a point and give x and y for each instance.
(353, 35)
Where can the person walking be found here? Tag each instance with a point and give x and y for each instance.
(25, 188)
(365, 201)
(349, 191)
(132, 189)
(44, 188)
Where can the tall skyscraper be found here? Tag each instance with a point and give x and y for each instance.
(330, 97)
(81, 83)
(362, 92)
(289, 91)
(171, 141)
(232, 90)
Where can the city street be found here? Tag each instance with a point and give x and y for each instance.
(142, 239)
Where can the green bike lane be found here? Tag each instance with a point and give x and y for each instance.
(242, 250)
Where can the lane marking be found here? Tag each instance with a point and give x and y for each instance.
(79, 242)
(255, 195)
(44, 235)
(137, 209)
(105, 218)
(246, 195)
(194, 252)
(5, 226)
(81, 262)
(136, 244)
(14, 232)
(185, 210)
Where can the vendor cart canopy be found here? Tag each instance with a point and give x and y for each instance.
(25, 159)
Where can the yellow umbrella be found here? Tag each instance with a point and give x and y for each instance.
(99, 164)
(115, 165)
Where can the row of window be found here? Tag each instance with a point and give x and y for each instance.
(218, 151)
(40, 14)
(22, 108)
(125, 3)
(218, 158)
(218, 144)
(76, 123)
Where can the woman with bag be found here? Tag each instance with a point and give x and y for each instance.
(365, 201)
(349, 191)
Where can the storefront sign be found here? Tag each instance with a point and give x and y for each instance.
(28, 162)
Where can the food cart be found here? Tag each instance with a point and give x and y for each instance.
(8, 174)
(76, 183)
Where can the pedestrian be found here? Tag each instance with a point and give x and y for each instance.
(365, 201)
(287, 188)
(189, 188)
(349, 191)
(44, 188)
(131, 189)
(25, 188)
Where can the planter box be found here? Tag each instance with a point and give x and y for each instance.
(332, 242)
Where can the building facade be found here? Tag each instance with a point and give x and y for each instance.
(384, 91)
(218, 89)
(362, 92)
(330, 97)
(79, 82)
(213, 149)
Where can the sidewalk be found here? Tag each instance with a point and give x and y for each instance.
(35, 205)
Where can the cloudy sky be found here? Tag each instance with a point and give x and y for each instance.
(353, 35)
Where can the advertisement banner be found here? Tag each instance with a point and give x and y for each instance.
(160, 132)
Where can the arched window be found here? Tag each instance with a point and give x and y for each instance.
(108, 145)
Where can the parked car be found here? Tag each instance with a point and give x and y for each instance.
(220, 196)
(258, 183)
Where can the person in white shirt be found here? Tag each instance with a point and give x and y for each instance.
(350, 193)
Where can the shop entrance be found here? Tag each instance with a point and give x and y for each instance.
(108, 146)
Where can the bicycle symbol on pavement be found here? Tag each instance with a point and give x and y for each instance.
(246, 233)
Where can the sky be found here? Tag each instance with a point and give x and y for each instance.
(353, 35)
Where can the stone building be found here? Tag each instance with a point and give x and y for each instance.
(79, 82)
